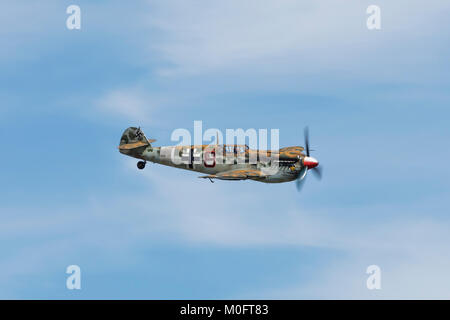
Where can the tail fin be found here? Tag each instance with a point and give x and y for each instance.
(134, 138)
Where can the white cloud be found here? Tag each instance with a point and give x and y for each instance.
(410, 252)
(294, 37)
(183, 209)
(273, 37)
(130, 104)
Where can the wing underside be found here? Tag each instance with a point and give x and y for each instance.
(237, 174)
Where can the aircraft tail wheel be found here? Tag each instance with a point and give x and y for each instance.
(141, 165)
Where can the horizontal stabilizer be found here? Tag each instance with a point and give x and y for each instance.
(134, 145)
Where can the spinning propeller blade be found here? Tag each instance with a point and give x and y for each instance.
(317, 172)
(306, 134)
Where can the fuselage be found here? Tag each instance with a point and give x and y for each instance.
(209, 159)
(225, 162)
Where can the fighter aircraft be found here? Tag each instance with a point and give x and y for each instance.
(225, 161)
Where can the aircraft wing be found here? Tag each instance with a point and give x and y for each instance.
(237, 174)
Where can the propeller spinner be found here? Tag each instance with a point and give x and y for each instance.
(308, 164)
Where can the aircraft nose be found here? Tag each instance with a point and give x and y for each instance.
(310, 162)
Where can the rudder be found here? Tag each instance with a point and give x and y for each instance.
(133, 138)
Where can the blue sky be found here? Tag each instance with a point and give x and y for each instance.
(376, 102)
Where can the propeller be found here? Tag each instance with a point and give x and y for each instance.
(308, 164)
(301, 178)
(306, 134)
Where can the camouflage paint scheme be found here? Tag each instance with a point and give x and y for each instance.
(224, 162)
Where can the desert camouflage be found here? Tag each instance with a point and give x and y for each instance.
(223, 162)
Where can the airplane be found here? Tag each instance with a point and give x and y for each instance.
(227, 161)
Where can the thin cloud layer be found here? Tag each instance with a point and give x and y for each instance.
(386, 206)
(291, 37)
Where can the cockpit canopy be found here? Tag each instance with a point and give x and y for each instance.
(235, 148)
